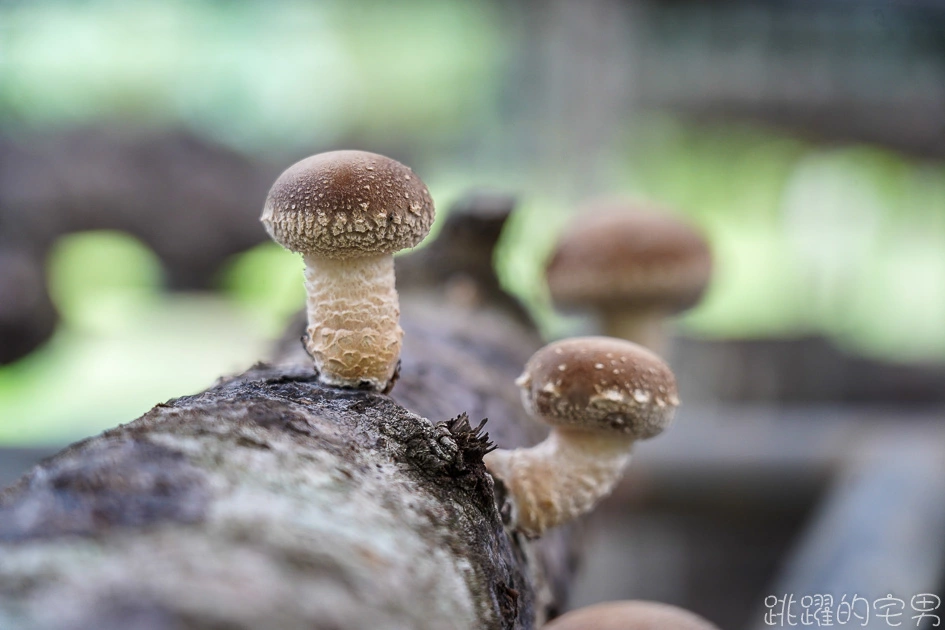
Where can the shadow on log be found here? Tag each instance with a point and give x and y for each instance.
(272, 501)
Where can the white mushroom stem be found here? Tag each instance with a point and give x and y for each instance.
(561, 478)
(645, 327)
(354, 334)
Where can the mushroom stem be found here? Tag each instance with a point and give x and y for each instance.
(560, 478)
(645, 327)
(354, 334)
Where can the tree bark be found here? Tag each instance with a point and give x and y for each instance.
(272, 501)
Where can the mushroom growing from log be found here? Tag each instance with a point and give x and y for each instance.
(635, 266)
(630, 615)
(347, 213)
(600, 395)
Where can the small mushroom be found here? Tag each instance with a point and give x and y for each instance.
(347, 212)
(600, 395)
(630, 615)
(635, 266)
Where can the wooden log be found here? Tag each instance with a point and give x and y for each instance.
(14, 461)
(272, 501)
(762, 454)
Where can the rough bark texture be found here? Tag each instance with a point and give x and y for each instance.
(271, 501)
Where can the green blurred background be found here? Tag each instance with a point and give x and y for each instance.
(806, 139)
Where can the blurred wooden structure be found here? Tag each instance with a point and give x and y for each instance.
(833, 70)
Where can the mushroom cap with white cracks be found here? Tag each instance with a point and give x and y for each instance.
(630, 615)
(348, 204)
(600, 384)
(619, 254)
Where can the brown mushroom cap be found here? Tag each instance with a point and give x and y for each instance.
(630, 615)
(621, 255)
(348, 204)
(600, 383)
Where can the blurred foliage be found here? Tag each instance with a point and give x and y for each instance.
(99, 279)
(254, 74)
(267, 281)
(121, 345)
(847, 242)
